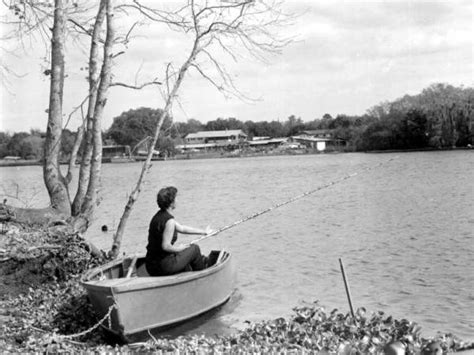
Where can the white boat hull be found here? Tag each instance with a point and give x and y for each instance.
(138, 303)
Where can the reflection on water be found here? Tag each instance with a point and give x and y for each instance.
(404, 231)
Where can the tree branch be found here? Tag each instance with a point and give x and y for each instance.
(81, 27)
(136, 87)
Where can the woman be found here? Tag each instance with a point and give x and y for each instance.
(163, 256)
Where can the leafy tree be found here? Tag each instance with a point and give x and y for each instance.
(414, 129)
(67, 143)
(222, 124)
(440, 116)
(319, 123)
(293, 125)
(264, 129)
(464, 128)
(191, 126)
(377, 136)
(166, 146)
(275, 129)
(341, 121)
(4, 139)
(234, 123)
(14, 146)
(134, 125)
(22, 144)
(32, 147)
(343, 127)
(449, 113)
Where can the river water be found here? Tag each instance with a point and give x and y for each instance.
(404, 230)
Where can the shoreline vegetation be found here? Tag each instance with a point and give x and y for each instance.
(44, 309)
(440, 117)
(218, 155)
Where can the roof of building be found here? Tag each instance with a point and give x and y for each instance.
(260, 138)
(313, 132)
(313, 139)
(11, 157)
(196, 146)
(212, 134)
(268, 141)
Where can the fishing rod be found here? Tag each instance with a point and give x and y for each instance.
(254, 215)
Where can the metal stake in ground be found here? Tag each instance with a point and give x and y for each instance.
(348, 291)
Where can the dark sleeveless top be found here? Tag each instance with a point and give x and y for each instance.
(155, 236)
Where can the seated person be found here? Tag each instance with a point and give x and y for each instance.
(163, 256)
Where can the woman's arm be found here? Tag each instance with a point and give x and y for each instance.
(191, 230)
(168, 237)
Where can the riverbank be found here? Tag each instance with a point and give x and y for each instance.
(420, 150)
(43, 308)
(185, 156)
(234, 154)
(8, 163)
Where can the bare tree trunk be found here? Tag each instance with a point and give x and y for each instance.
(94, 72)
(75, 150)
(114, 251)
(54, 181)
(105, 80)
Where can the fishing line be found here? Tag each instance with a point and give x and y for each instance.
(254, 215)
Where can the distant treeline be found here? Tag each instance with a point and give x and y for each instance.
(441, 116)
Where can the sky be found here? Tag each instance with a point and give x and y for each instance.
(345, 57)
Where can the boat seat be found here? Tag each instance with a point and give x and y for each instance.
(215, 258)
(220, 256)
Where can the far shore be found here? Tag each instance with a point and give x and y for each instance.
(244, 154)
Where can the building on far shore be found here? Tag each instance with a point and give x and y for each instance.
(116, 153)
(203, 141)
(11, 158)
(236, 140)
(227, 136)
(321, 139)
(260, 143)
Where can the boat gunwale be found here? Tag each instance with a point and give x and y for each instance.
(148, 281)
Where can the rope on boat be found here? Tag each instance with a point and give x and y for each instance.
(254, 215)
(91, 329)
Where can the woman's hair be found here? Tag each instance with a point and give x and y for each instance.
(166, 197)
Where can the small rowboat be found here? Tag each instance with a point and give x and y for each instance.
(138, 302)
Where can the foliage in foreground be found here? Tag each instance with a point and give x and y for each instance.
(311, 329)
(55, 316)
